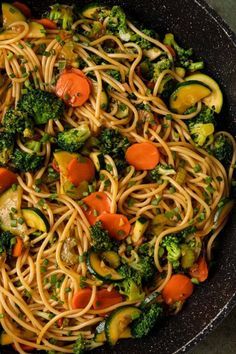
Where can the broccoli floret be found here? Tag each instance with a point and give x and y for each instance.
(222, 149)
(114, 144)
(82, 345)
(160, 66)
(201, 132)
(42, 105)
(100, 238)
(25, 162)
(184, 55)
(7, 240)
(144, 265)
(177, 246)
(147, 320)
(161, 170)
(6, 147)
(147, 248)
(117, 23)
(115, 74)
(34, 145)
(202, 127)
(63, 15)
(71, 140)
(16, 121)
(131, 286)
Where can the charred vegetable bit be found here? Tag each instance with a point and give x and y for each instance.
(25, 162)
(147, 320)
(72, 140)
(114, 144)
(6, 147)
(7, 240)
(42, 105)
(202, 127)
(16, 121)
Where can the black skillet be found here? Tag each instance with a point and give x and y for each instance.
(196, 25)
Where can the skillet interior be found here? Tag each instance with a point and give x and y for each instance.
(199, 27)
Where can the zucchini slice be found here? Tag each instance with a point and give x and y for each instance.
(98, 160)
(101, 337)
(36, 219)
(36, 30)
(10, 201)
(215, 99)
(97, 267)
(187, 94)
(92, 11)
(118, 322)
(111, 258)
(11, 14)
(223, 211)
(123, 111)
(5, 339)
(104, 100)
(140, 227)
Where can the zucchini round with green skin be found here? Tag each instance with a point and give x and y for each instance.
(215, 99)
(118, 322)
(100, 335)
(36, 219)
(101, 271)
(187, 94)
(111, 258)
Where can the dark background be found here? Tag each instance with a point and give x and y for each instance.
(223, 339)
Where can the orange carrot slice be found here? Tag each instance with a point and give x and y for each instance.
(143, 156)
(81, 298)
(46, 23)
(199, 270)
(17, 249)
(79, 170)
(96, 204)
(23, 8)
(178, 288)
(105, 298)
(117, 225)
(7, 178)
(73, 87)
